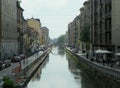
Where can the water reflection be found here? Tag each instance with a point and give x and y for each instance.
(61, 51)
(80, 77)
(37, 75)
(60, 72)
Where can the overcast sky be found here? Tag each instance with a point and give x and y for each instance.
(54, 14)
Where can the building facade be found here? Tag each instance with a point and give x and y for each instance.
(20, 20)
(86, 13)
(84, 19)
(45, 36)
(66, 38)
(102, 17)
(30, 37)
(71, 34)
(116, 24)
(105, 24)
(76, 29)
(36, 25)
(8, 28)
(101, 24)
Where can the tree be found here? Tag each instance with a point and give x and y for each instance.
(85, 34)
(61, 39)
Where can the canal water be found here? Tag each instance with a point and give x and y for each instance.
(60, 71)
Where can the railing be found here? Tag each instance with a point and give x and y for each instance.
(108, 71)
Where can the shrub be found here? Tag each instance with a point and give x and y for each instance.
(8, 83)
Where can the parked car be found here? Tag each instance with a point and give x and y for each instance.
(41, 49)
(22, 56)
(7, 63)
(2, 65)
(16, 59)
(36, 50)
(75, 50)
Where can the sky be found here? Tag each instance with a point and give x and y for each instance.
(54, 14)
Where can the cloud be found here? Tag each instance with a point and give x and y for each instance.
(57, 3)
(55, 14)
(45, 3)
(41, 7)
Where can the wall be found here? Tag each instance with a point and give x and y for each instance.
(103, 77)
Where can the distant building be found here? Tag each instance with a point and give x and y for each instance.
(76, 28)
(44, 36)
(71, 34)
(8, 28)
(66, 38)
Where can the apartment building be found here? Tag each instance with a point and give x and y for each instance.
(8, 28)
(105, 23)
(36, 25)
(84, 19)
(101, 24)
(116, 24)
(20, 27)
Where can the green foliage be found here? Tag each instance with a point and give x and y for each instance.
(61, 39)
(5, 78)
(8, 83)
(85, 34)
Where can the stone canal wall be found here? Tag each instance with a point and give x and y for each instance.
(30, 70)
(105, 77)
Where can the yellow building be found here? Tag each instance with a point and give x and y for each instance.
(30, 37)
(36, 25)
(44, 35)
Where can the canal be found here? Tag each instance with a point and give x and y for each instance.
(60, 71)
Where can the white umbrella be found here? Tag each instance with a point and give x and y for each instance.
(117, 54)
(102, 51)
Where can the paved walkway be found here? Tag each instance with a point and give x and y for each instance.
(115, 66)
(27, 61)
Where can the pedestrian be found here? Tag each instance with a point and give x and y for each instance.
(103, 59)
(87, 55)
(111, 62)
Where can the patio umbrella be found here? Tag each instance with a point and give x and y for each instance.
(117, 54)
(102, 51)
